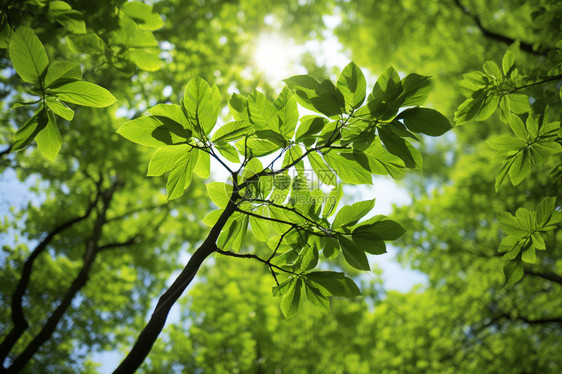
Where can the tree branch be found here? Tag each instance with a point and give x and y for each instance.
(524, 46)
(92, 250)
(150, 333)
(18, 318)
(545, 275)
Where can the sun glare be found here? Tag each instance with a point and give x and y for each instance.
(276, 57)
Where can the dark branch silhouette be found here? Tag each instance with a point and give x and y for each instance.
(524, 46)
(149, 334)
(18, 318)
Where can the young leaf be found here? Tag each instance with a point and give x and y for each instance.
(29, 130)
(348, 170)
(201, 104)
(262, 112)
(507, 62)
(28, 55)
(286, 105)
(69, 18)
(379, 230)
(324, 173)
(219, 193)
(332, 283)
(238, 106)
(353, 255)
(416, 89)
(62, 71)
(153, 132)
(232, 131)
(426, 121)
(59, 108)
(350, 214)
(84, 93)
(142, 15)
(203, 165)
(48, 138)
(352, 84)
(145, 60)
(513, 272)
(180, 176)
(165, 158)
(173, 112)
(212, 218)
(291, 299)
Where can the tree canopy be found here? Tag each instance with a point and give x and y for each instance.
(161, 176)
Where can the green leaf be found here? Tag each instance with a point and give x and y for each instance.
(319, 97)
(28, 55)
(201, 104)
(350, 214)
(30, 129)
(173, 112)
(323, 172)
(353, 255)
(84, 93)
(493, 70)
(520, 168)
(545, 209)
(256, 147)
(286, 105)
(415, 89)
(180, 176)
(479, 107)
(219, 193)
(238, 105)
(165, 158)
(153, 132)
(382, 162)
(314, 295)
(88, 43)
(332, 202)
(262, 112)
(309, 126)
(511, 225)
(352, 84)
(260, 227)
(399, 147)
(349, 171)
(212, 218)
(529, 255)
(380, 230)
(385, 99)
(232, 131)
(425, 121)
(518, 128)
(333, 283)
(145, 60)
(62, 71)
(305, 88)
(59, 108)
(513, 272)
(291, 299)
(228, 152)
(143, 16)
(48, 138)
(203, 165)
(507, 62)
(519, 103)
(70, 19)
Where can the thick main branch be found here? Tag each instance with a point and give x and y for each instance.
(150, 333)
